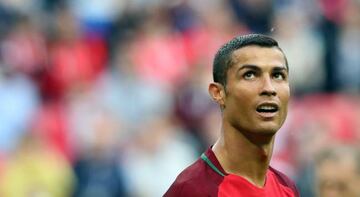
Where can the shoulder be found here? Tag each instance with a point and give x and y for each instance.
(185, 183)
(285, 180)
(195, 180)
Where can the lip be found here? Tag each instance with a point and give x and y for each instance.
(268, 115)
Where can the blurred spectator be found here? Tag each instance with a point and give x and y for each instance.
(97, 17)
(8, 17)
(332, 13)
(76, 61)
(158, 53)
(97, 159)
(22, 6)
(311, 132)
(338, 172)
(97, 165)
(256, 14)
(303, 48)
(24, 49)
(156, 155)
(131, 97)
(348, 68)
(36, 170)
(203, 40)
(51, 124)
(99, 175)
(19, 102)
(193, 104)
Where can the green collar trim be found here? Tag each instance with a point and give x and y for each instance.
(207, 160)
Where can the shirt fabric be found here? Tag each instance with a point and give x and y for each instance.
(206, 177)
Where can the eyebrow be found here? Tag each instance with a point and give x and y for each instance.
(248, 66)
(254, 67)
(280, 68)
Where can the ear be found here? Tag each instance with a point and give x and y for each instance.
(217, 93)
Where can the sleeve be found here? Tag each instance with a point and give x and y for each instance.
(185, 189)
(174, 190)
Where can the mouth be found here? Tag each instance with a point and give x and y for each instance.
(267, 110)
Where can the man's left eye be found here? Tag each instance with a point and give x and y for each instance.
(279, 76)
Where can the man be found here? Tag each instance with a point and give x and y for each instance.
(251, 87)
(337, 172)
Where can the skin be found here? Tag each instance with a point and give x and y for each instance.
(257, 75)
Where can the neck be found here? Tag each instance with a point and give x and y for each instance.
(244, 154)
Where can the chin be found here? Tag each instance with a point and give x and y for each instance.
(262, 134)
(267, 128)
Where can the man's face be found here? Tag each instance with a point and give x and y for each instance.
(257, 90)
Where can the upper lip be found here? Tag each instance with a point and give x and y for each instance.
(268, 103)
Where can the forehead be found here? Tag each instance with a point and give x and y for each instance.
(259, 56)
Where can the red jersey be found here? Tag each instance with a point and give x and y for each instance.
(206, 177)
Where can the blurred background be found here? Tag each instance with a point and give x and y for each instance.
(109, 97)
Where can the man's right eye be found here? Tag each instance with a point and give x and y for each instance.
(249, 75)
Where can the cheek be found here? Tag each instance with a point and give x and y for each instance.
(241, 94)
(284, 94)
(284, 97)
(238, 103)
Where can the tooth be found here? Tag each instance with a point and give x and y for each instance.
(267, 107)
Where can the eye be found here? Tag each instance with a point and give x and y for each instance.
(249, 75)
(279, 76)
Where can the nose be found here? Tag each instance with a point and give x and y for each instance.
(268, 88)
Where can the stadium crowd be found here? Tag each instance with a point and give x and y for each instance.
(109, 98)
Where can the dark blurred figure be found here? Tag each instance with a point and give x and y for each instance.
(7, 17)
(192, 105)
(332, 12)
(184, 17)
(256, 14)
(97, 166)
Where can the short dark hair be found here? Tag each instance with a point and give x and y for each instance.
(223, 57)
